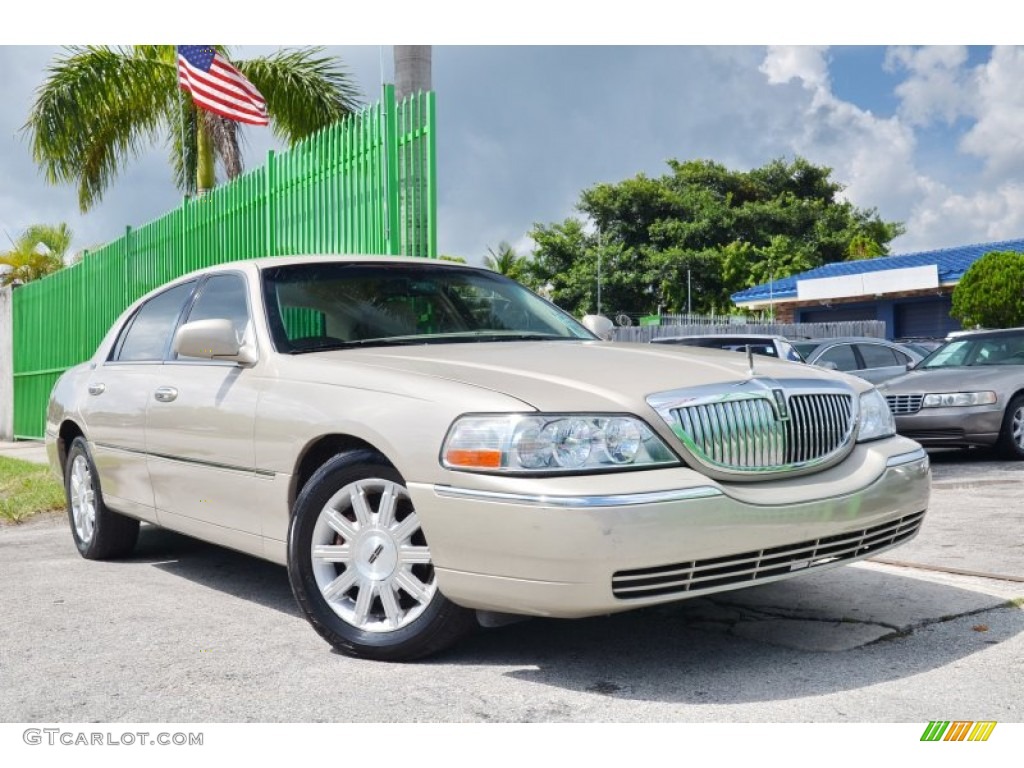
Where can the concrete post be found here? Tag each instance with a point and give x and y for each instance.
(6, 364)
(412, 75)
(412, 69)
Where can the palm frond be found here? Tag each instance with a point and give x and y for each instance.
(56, 239)
(98, 109)
(305, 91)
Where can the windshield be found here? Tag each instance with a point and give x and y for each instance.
(1005, 349)
(331, 305)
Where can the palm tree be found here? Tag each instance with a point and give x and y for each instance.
(37, 252)
(100, 107)
(506, 261)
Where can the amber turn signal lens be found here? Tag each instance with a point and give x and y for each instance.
(473, 459)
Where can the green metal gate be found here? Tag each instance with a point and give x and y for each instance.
(364, 185)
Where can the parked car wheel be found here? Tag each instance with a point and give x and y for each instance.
(99, 533)
(360, 566)
(1011, 437)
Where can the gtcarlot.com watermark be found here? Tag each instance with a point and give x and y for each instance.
(59, 736)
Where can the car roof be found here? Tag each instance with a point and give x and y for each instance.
(849, 340)
(751, 336)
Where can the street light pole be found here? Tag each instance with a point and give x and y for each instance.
(689, 306)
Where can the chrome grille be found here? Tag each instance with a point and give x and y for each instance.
(698, 576)
(747, 433)
(901, 404)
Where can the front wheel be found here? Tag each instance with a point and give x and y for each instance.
(1011, 437)
(360, 566)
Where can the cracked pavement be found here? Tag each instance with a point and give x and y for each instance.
(186, 632)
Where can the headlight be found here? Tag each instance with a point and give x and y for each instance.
(518, 443)
(875, 417)
(954, 399)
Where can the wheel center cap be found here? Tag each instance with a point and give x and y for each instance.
(376, 556)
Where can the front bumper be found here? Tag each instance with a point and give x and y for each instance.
(938, 427)
(511, 549)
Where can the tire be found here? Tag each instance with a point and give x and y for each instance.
(1011, 436)
(360, 567)
(99, 533)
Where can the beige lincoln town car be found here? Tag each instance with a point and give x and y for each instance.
(429, 446)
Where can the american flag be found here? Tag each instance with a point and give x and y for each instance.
(217, 86)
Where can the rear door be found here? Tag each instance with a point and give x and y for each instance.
(880, 362)
(119, 390)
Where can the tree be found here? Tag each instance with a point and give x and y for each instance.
(100, 107)
(991, 292)
(506, 261)
(728, 229)
(38, 251)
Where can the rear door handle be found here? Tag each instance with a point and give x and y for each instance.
(97, 389)
(165, 394)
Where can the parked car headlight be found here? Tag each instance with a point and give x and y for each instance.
(518, 443)
(948, 399)
(875, 417)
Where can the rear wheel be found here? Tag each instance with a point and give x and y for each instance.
(1011, 437)
(99, 533)
(360, 566)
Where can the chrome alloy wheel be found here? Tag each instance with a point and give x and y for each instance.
(1017, 427)
(83, 499)
(370, 559)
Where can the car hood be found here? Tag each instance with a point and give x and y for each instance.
(966, 379)
(565, 375)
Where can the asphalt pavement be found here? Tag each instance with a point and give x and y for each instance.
(188, 632)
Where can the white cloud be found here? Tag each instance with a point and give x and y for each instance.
(806, 63)
(872, 155)
(937, 85)
(945, 217)
(998, 108)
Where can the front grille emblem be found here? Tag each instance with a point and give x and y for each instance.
(780, 402)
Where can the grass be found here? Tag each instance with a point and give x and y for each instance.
(26, 489)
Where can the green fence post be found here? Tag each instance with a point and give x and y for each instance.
(269, 205)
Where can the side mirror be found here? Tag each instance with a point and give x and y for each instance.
(911, 365)
(828, 365)
(214, 339)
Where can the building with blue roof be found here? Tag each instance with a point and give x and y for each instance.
(910, 292)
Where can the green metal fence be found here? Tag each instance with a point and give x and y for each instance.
(364, 185)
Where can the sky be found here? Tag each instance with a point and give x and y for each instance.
(929, 135)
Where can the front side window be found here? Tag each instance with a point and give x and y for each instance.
(841, 356)
(148, 334)
(222, 297)
(331, 305)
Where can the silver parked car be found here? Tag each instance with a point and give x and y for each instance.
(759, 344)
(874, 360)
(425, 445)
(968, 392)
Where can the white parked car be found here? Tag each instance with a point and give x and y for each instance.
(423, 443)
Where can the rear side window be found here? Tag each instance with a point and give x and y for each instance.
(877, 356)
(148, 335)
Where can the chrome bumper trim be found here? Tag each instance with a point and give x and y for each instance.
(907, 458)
(580, 502)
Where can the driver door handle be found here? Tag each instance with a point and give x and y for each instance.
(165, 394)
(97, 389)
